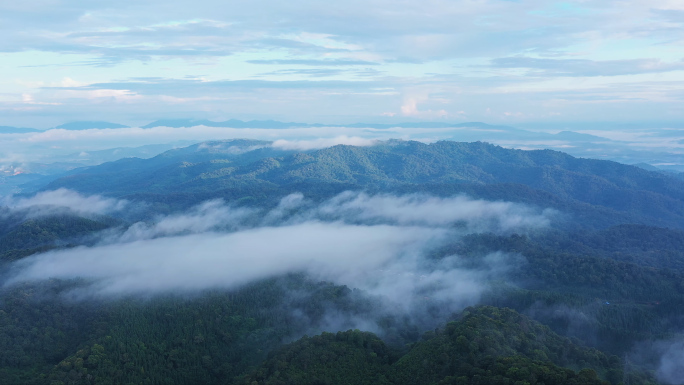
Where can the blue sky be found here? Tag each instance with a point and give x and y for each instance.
(511, 62)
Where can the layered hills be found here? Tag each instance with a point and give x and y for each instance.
(607, 274)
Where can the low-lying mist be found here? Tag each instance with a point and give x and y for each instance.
(61, 201)
(377, 243)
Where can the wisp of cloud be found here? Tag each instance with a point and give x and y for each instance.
(64, 200)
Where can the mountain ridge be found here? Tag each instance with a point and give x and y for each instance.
(220, 165)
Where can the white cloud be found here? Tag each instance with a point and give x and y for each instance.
(49, 202)
(425, 210)
(193, 262)
(376, 243)
(305, 145)
(210, 215)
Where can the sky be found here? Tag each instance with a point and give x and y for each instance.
(496, 61)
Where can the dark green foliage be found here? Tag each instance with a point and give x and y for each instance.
(208, 338)
(21, 237)
(518, 370)
(48, 231)
(484, 333)
(37, 330)
(351, 357)
(586, 275)
(640, 244)
(14, 255)
(609, 303)
(486, 346)
(215, 338)
(173, 341)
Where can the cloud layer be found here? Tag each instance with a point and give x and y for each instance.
(210, 260)
(376, 243)
(477, 60)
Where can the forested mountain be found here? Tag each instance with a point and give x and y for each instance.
(603, 269)
(542, 177)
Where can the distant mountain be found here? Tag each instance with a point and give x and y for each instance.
(87, 125)
(540, 177)
(16, 130)
(578, 137)
(647, 166)
(235, 123)
(232, 123)
(89, 158)
(575, 143)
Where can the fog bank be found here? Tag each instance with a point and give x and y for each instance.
(378, 243)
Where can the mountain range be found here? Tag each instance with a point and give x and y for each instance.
(637, 147)
(598, 191)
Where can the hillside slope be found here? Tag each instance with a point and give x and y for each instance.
(486, 345)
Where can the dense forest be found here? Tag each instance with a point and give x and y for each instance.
(592, 295)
